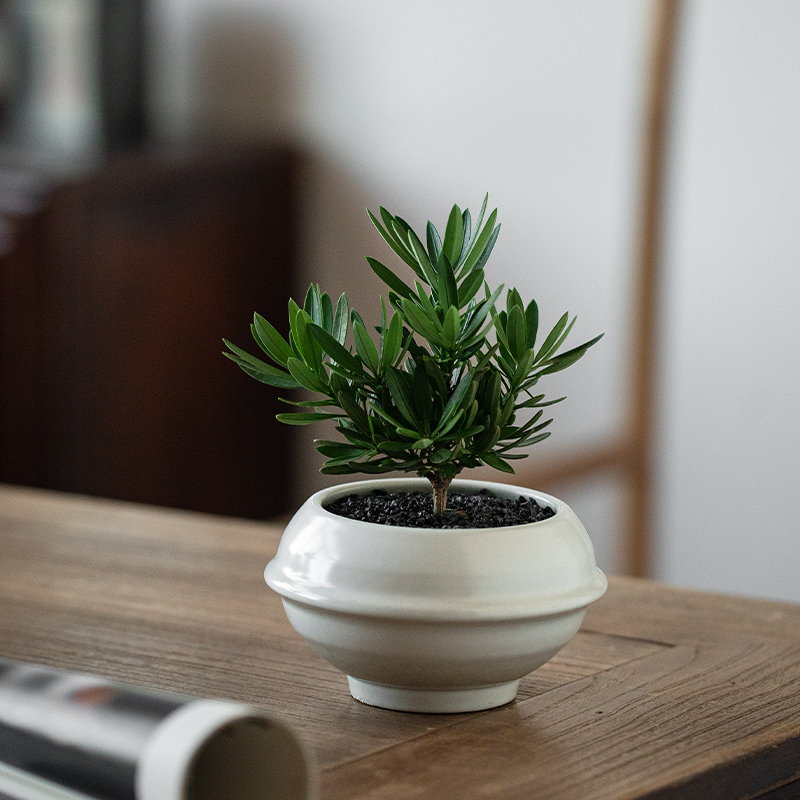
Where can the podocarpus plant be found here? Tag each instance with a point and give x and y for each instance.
(450, 380)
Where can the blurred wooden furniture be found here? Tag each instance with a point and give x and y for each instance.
(664, 694)
(632, 456)
(114, 298)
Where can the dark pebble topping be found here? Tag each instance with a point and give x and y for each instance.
(415, 510)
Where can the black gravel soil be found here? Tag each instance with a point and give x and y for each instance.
(415, 510)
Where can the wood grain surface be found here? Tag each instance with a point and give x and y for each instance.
(663, 694)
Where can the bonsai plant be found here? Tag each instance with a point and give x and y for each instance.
(437, 393)
(427, 618)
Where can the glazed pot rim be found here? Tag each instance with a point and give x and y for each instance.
(464, 485)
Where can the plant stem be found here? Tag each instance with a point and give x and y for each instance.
(440, 483)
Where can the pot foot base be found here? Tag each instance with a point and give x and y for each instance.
(432, 701)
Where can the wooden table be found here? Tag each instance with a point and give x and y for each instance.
(663, 694)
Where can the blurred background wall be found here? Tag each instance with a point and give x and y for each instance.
(417, 105)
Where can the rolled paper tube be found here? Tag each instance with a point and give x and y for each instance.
(65, 736)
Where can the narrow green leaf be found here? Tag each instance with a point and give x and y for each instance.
(423, 401)
(402, 393)
(303, 418)
(480, 243)
(448, 289)
(451, 326)
(327, 311)
(454, 402)
(579, 351)
(355, 412)
(469, 287)
(420, 322)
(266, 374)
(336, 351)
(338, 469)
(435, 375)
(393, 240)
(392, 342)
(532, 323)
(453, 235)
(466, 218)
(313, 304)
(340, 449)
(487, 251)
(428, 270)
(365, 347)
(516, 332)
(341, 319)
(305, 376)
(400, 428)
(273, 344)
(422, 444)
(434, 243)
(396, 447)
(552, 338)
(540, 402)
(390, 279)
(307, 347)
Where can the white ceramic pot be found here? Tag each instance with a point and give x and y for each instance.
(428, 620)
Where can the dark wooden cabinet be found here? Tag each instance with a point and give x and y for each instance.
(114, 299)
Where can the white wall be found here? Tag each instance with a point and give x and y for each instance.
(419, 104)
(730, 392)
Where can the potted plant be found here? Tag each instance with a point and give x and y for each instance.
(431, 594)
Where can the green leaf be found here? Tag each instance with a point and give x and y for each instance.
(365, 347)
(551, 342)
(402, 393)
(495, 461)
(454, 235)
(338, 469)
(356, 413)
(434, 243)
(424, 262)
(455, 399)
(487, 251)
(305, 376)
(422, 444)
(392, 341)
(396, 447)
(480, 243)
(466, 221)
(423, 401)
(277, 378)
(270, 341)
(516, 332)
(327, 311)
(390, 237)
(420, 322)
(303, 418)
(390, 279)
(532, 322)
(436, 375)
(258, 369)
(441, 456)
(569, 358)
(307, 347)
(340, 449)
(313, 304)
(451, 326)
(469, 287)
(448, 290)
(341, 319)
(574, 354)
(336, 351)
